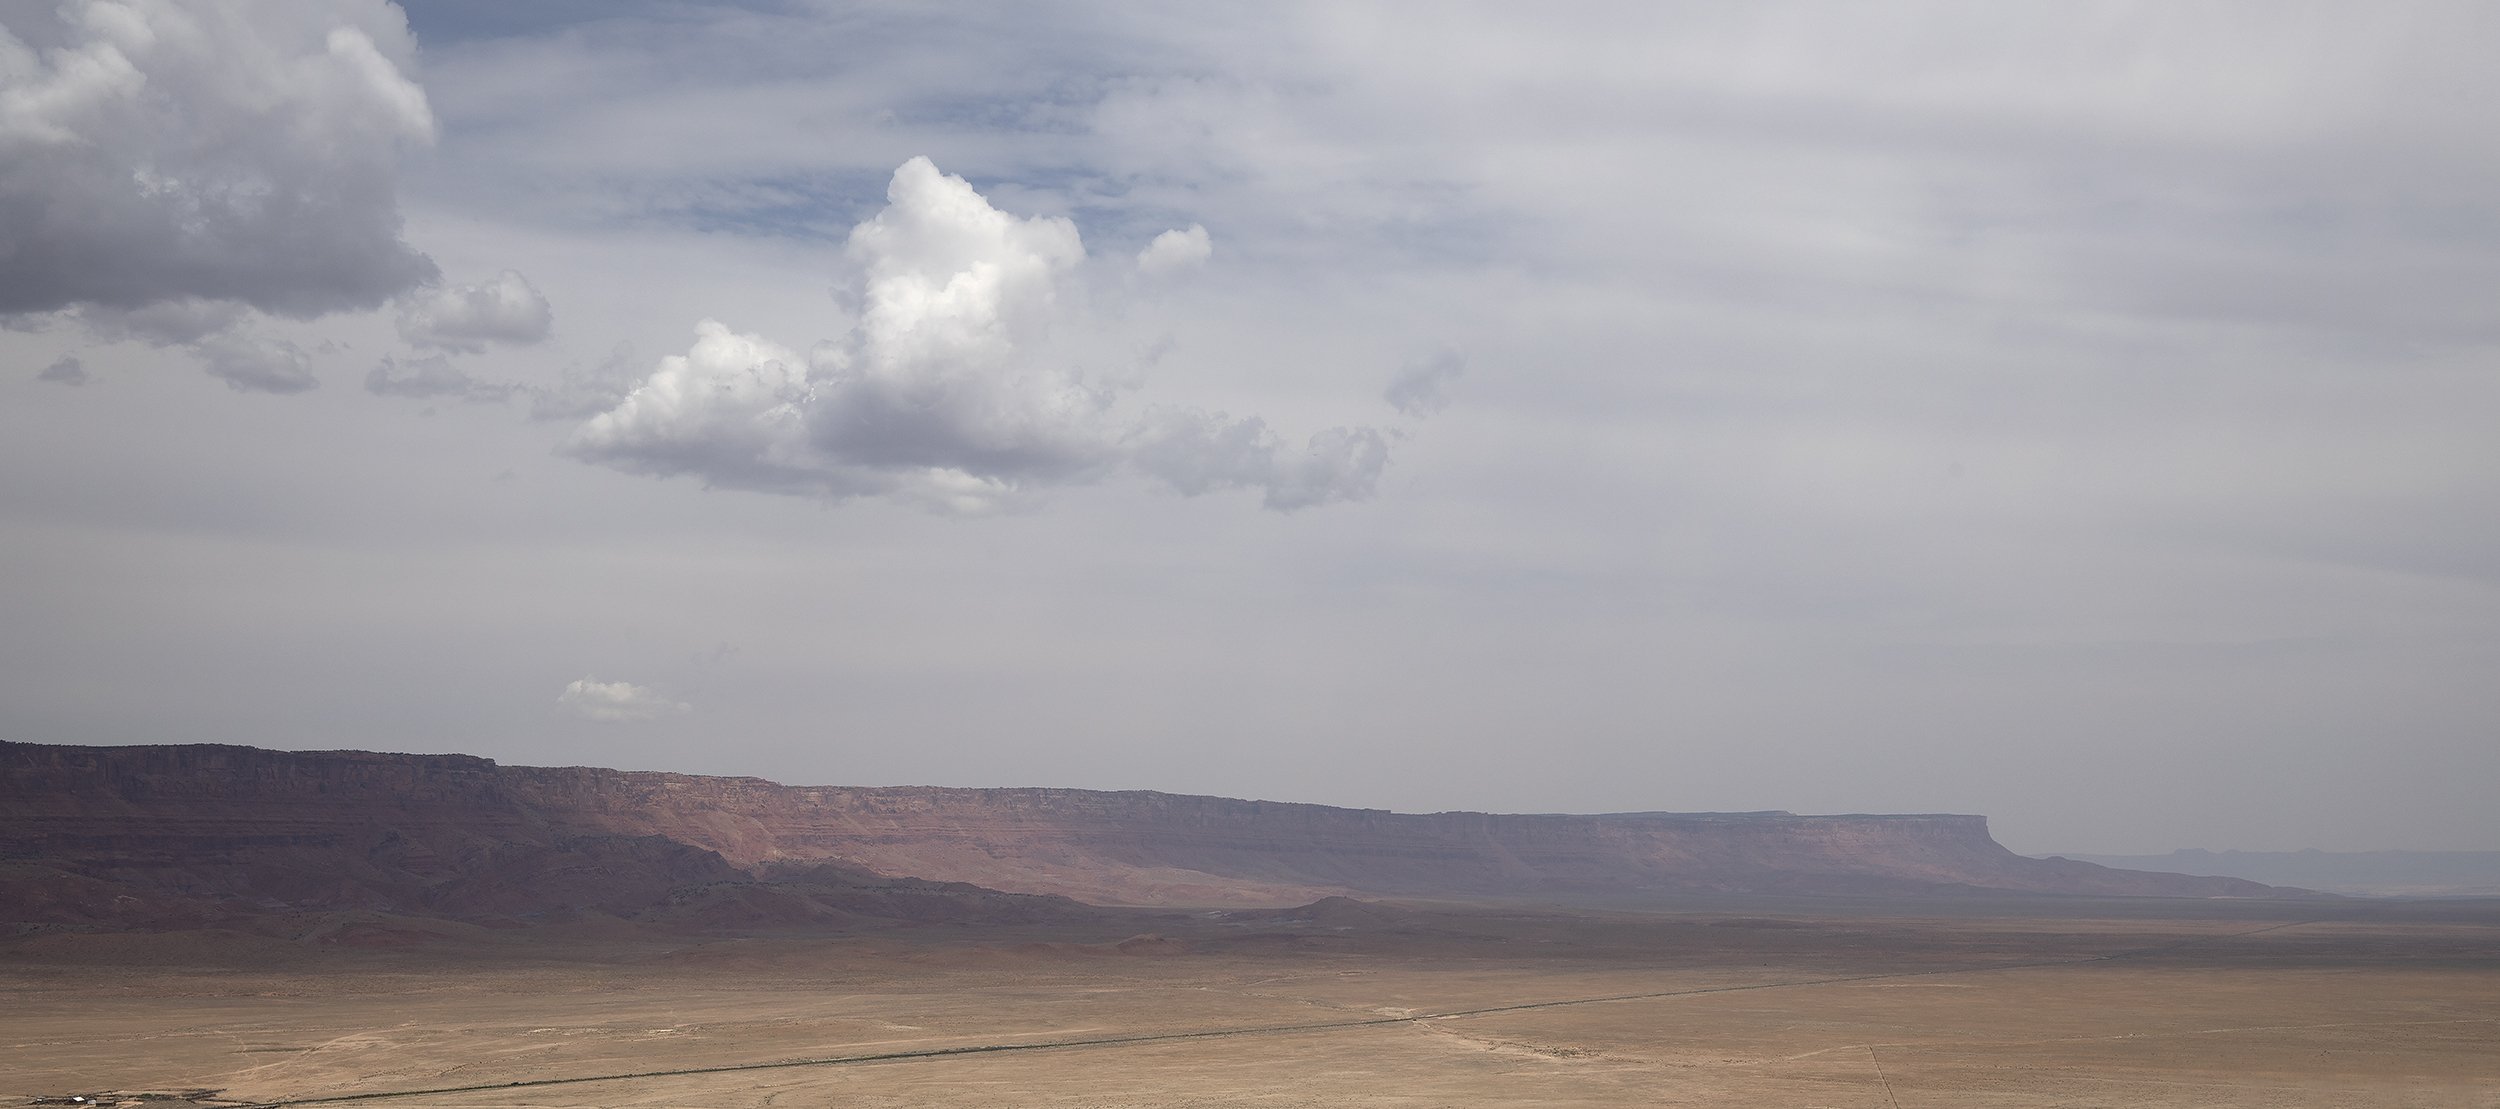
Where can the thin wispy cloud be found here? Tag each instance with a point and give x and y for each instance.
(65, 370)
(429, 377)
(1422, 387)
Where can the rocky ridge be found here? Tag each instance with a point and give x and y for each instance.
(196, 829)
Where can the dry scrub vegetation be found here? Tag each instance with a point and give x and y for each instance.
(1774, 1004)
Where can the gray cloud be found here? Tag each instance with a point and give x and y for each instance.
(1422, 387)
(1196, 452)
(250, 363)
(167, 323)
(227, 338)
(429, 377)
(66, 370)
(949, 392)
(469, 318)
(582, 393)
(152, 151)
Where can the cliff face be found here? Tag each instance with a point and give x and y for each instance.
(356, 828)
(168, 836)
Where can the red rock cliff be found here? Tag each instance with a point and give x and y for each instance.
(178, 806)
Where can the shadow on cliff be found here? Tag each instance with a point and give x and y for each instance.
(197, 836)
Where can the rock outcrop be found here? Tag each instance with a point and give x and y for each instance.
(198, 826)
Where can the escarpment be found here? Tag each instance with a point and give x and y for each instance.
(198, 826)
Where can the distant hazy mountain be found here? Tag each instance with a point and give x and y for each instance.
(2359, 873)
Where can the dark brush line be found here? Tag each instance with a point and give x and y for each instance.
(1890, 1100)
(1113, 1041)
(833, 1061)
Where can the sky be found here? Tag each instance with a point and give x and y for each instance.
(2082, 415)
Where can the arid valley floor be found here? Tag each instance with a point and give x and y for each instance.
(2004, 1002)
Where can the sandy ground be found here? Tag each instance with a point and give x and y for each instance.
(2267, 1006)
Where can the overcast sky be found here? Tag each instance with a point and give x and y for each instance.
(2085, 415)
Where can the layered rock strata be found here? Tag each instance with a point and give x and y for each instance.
(457, 833)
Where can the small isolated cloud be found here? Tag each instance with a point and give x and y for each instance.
(255, 364)
(469, 318)
(67, 370)
(1422, 388)
(232, 150)
(617, 702)
(947, 393)
(1196, 452)
(429, 377)
(1173, 251)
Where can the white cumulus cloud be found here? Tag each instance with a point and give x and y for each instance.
(469, 318)
(947, 392)
(617, 702)
(234, 150)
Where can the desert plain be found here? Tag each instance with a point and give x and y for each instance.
(1999, 1002)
